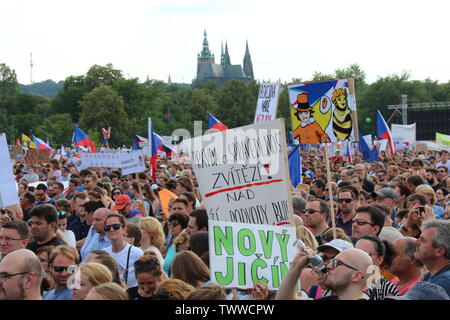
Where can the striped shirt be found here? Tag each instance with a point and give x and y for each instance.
(382, 289)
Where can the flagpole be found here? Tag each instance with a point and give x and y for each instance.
(330, 190)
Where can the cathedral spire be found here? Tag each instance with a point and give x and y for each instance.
(206, 53)
(248, 66)
(226, 57)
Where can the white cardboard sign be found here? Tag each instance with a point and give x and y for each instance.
(266, 106)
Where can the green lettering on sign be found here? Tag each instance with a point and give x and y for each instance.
(266, 242)
(223, 240)
(225, 280)
(241, 274)
(258, 263)
(283, 240)
(242, 235)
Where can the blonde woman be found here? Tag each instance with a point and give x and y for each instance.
(107, 291)
(429, 193)
(90, 275)
(152, 236)
(173, 289)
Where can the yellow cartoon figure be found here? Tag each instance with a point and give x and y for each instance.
(342, 118)
(309, 131)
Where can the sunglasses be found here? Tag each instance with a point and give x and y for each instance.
(162, 295)
(334, 263)
(173, 223)
(125, 180)
(347, 200)
(62, 214)
(311, 211)
(117, 193)
(361, 222)
(150, 264)
(115, 226)
(69, 269)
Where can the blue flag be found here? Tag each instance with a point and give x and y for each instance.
(295, 166)
(367, 154)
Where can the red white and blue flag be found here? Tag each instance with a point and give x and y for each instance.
(383, 132)
(81, 139)
(215, 124)
(40, 144)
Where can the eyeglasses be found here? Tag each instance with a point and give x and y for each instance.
(5, 276)
(125, 180)
(311, 211)
(346, 200)
(361, 222)
(150, 264)
(334, 263)
(69, 269)
(62, 214)
(173, 223)
(117, 193)
(7, 239)
(115, 226)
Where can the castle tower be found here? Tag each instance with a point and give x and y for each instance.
(205, 57)
(248, 66)
(226, 56)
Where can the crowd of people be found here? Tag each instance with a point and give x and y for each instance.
(108, 236)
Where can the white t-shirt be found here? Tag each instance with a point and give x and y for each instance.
(158, 254)
(121, 258)
(70, 236)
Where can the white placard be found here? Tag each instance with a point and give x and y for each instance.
(100, 160)
(404, 132)
(132, 162)
(266, 106)
(8, 192)
(243, 174)
(243, 254)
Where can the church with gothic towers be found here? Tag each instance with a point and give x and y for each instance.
(208, 70)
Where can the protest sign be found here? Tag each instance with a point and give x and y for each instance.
(403, 132)
(266, 106)
(8, 191)
(243, 174)
(37, 156)
(323, 111)
(15, 152)
(443, 139)
(132, 162)
(243, 254)
(105, 160)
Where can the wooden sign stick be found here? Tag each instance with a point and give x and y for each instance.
(330, 190)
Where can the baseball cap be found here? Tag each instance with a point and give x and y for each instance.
(338, 244)
(385, 193)
(423, 291)
(121, 202)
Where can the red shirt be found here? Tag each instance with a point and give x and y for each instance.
(402, 291)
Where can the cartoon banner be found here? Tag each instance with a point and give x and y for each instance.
(323, 111)
(242, 254)
(267, 104)
(243, 173)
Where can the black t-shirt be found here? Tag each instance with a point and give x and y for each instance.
(34, 246)
(134, 295)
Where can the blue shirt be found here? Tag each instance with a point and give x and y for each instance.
(171, 253)
(80, 229)
(439, 212)
(51, 201)
(63, 294)
(93, 242)
(442, 278)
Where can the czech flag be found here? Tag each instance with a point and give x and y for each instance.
(160, 146)
(81, 139)
(215, 124)
(383, 132)
(40, 144)
(138, 141)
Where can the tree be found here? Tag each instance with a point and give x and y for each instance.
(201, 104)
(103, 108)
(8, 80)
(58, 128)
(98, 75)
(69, 98)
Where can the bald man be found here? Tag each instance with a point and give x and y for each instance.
(347, 274)
(96, 238)
(21, 275)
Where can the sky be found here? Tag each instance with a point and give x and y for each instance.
(287, 39)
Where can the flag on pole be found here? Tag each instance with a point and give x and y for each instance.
(383, 132)
(40, 144)
(154, 151)
(367, 153)
(295, 166)
(81, 139)
(215, 124)
(137, 142)
(27, 142)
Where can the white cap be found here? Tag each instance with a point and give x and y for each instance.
(338, 244)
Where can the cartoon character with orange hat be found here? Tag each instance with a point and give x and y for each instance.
(309, 131)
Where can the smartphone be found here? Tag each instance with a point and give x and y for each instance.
(421, 210)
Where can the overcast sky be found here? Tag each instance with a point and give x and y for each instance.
(287, 39)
